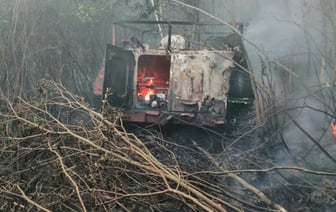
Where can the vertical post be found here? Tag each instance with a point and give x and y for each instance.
(169, 36)
(157, 18)
(198, 27)
(113, 34)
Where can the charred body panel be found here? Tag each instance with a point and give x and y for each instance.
(200, 83)
(200, 75)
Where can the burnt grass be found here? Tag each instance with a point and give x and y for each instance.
(29, 164)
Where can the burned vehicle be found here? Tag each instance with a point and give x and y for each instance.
(174, 82)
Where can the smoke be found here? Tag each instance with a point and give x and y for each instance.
(290, 32)
(275, 29)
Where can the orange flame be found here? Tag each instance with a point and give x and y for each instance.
(333, 128)
(149, 93)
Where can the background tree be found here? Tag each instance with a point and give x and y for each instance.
(54, 40)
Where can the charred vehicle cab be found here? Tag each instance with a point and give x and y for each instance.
(176, 84)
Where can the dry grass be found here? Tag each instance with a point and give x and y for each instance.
(57, 154)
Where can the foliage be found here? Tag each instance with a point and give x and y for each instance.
(49, 39)
(90, 11)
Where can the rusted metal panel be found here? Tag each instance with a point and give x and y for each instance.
(200, 77)
(146, 116)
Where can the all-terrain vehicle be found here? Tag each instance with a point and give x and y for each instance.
(178, 81)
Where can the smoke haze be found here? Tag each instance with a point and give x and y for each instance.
(290, 32)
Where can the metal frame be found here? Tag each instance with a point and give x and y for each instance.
(169, 23)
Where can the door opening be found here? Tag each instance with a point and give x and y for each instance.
(153, 82)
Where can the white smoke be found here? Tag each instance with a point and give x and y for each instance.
(296, 31)
(292, 29)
